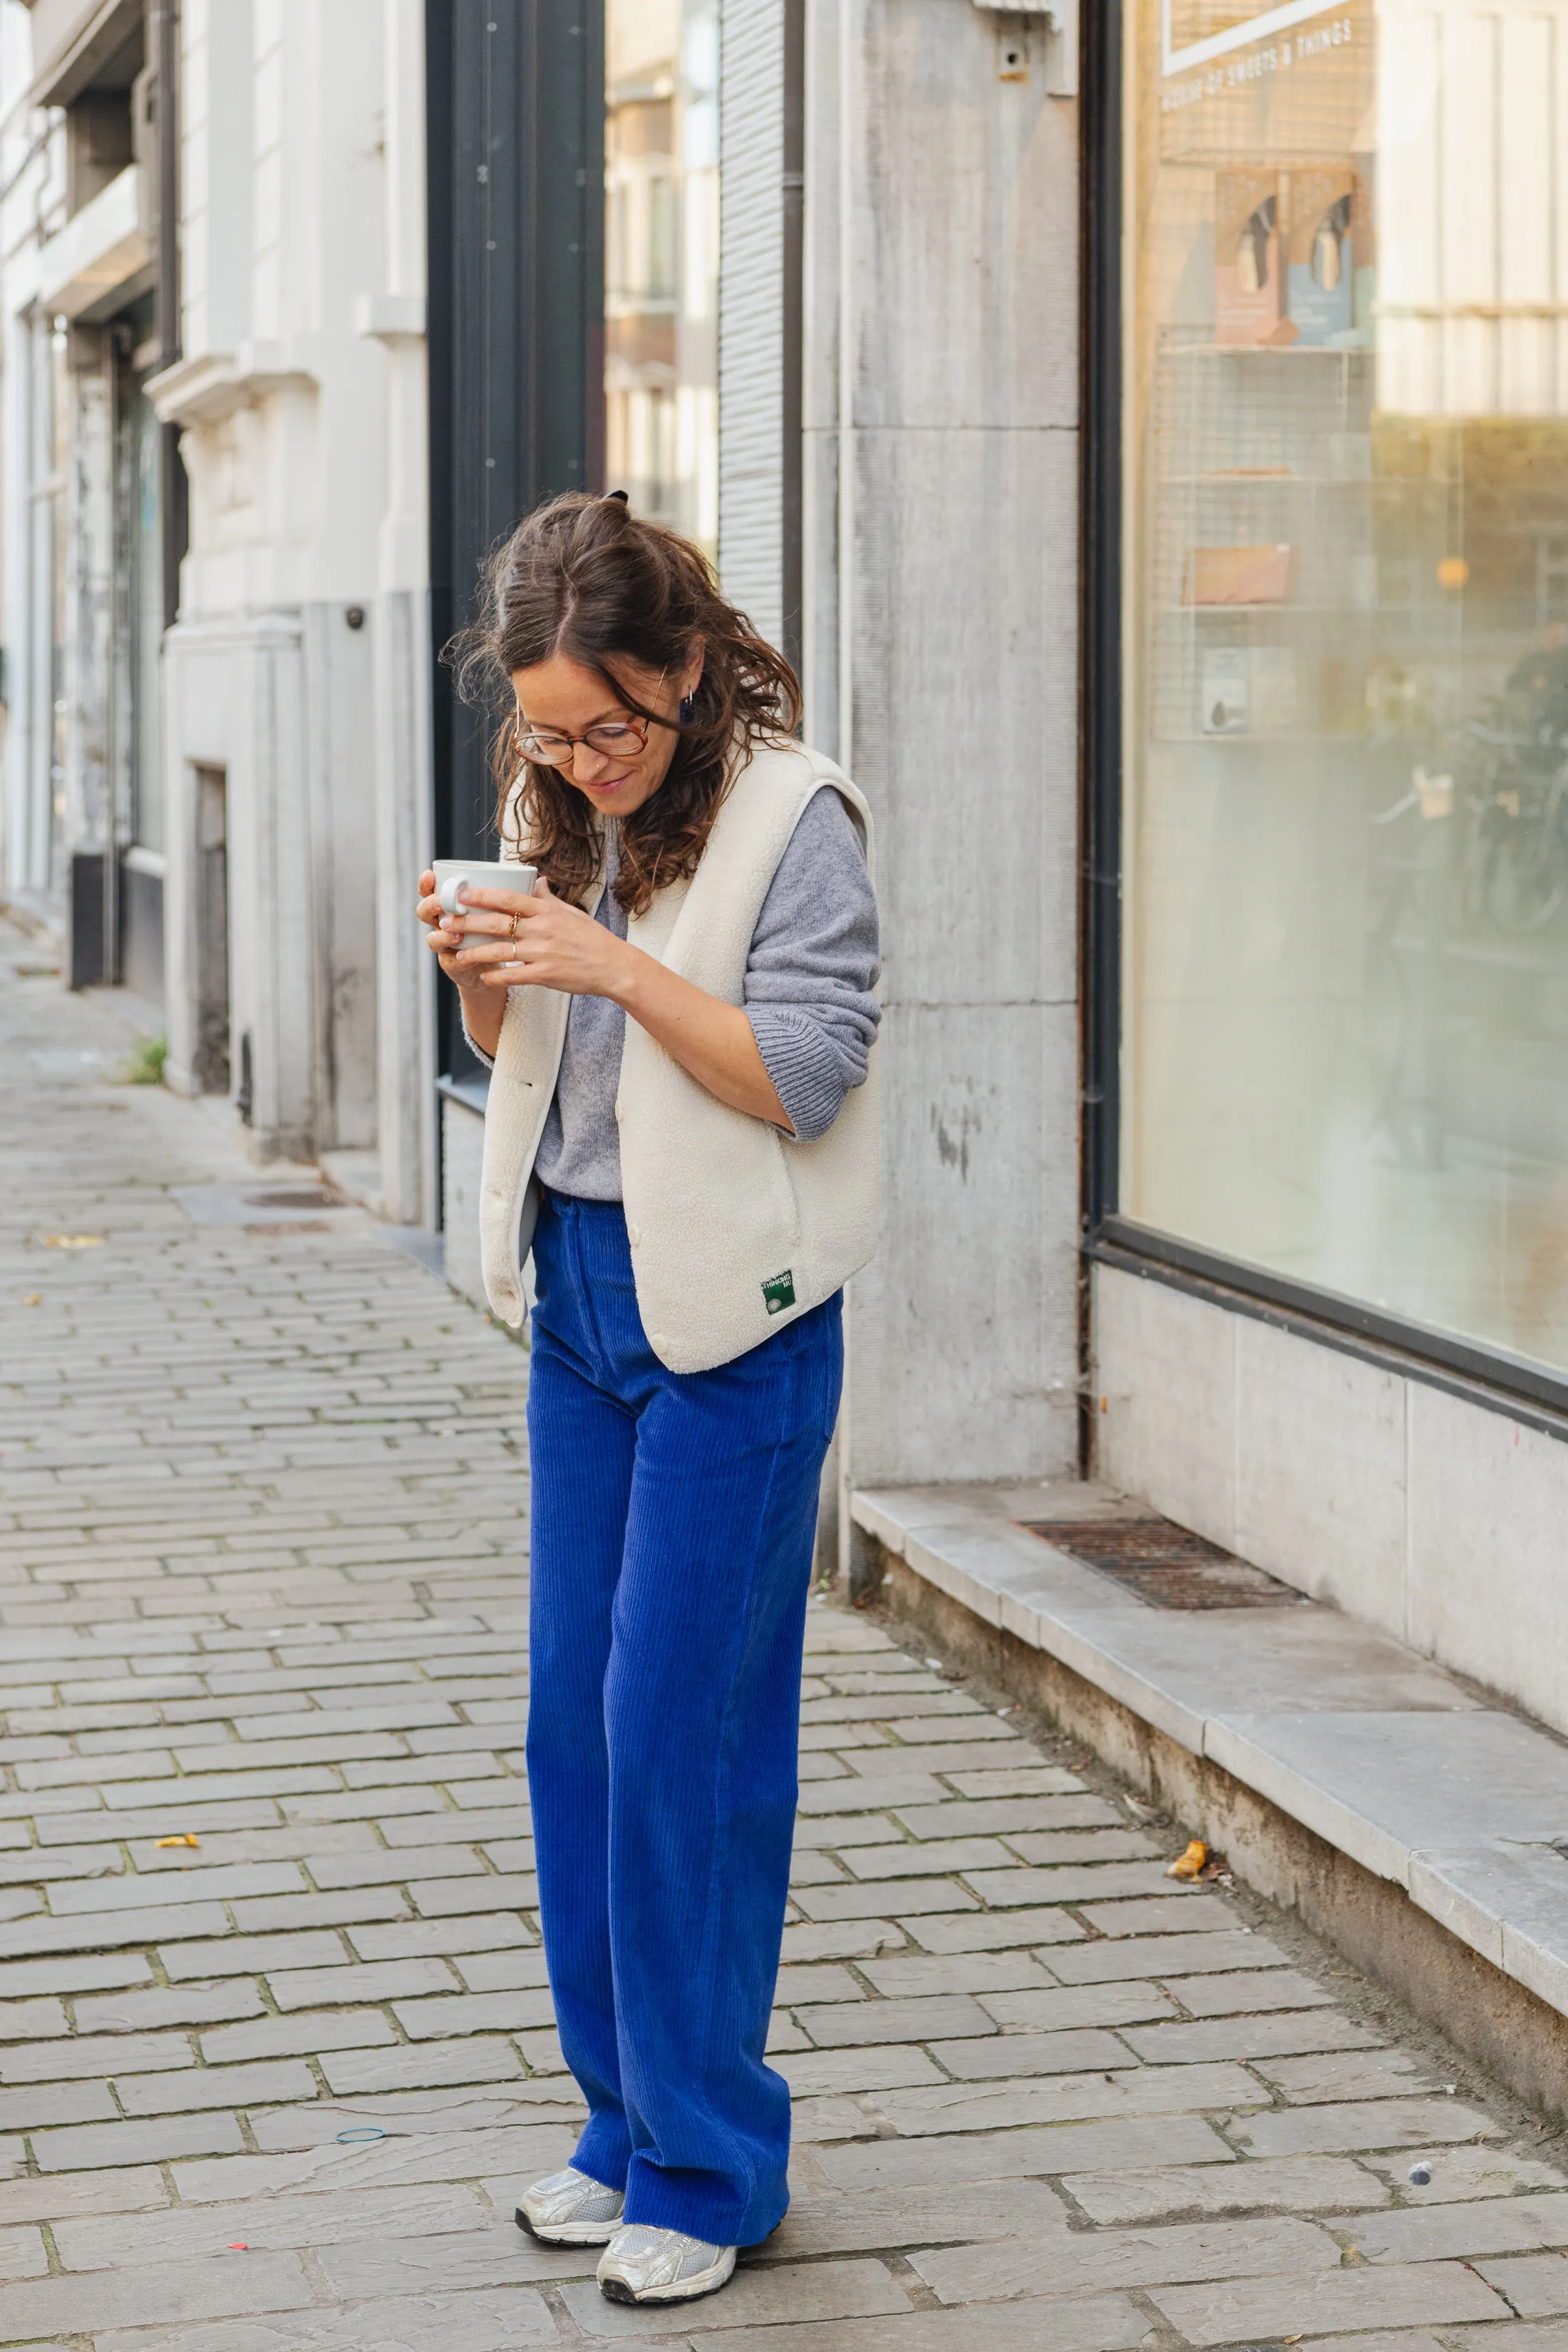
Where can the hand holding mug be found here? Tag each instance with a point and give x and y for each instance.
(449, 890)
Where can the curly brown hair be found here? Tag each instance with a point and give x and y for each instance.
(585, 577)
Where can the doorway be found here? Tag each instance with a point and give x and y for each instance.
(212, 1061)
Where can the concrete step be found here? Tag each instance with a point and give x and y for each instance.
(1411, 1775)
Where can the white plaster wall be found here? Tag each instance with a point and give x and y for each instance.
(405, 995)
(343, 874)
(1436, 1518)
(462, 1160)
(235, 700)
(35, 838)
(87, 684)
(285, 215)
(346, 237)
(216, 172)
(31, 171)
(25, 829)
(403, 819)
(301, 392)
(1164, 1401)
(941, 636)
(1488, 1506)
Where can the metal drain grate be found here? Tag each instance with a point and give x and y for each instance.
(295, 1196)
(1165, 1565)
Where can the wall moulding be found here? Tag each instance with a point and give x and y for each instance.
(205, 389)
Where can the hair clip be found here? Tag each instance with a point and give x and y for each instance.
(620, 495)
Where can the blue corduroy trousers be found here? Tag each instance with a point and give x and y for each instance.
(673, 1522)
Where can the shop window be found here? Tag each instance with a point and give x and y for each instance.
(1345, 652)
(661, 261)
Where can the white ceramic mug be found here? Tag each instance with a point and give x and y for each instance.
(452, 873)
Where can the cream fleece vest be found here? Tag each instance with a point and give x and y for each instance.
(734, 1230)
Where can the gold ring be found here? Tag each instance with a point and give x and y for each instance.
(514, 924)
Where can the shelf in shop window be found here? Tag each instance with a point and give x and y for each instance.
(1256, 735)
(1268, 350)
(1261, 481)
(1307, 612)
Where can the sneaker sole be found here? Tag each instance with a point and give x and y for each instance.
(569, 2233)
(691, 2289)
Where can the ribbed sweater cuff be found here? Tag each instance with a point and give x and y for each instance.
(477, 1050)
(807, 1075)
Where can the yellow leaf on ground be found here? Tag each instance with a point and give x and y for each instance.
(1188, 1864)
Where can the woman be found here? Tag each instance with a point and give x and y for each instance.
(680, 1020)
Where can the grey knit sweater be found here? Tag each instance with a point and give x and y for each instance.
(810, 974)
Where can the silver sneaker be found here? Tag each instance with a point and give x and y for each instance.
(569, 2208)
(642, 2264)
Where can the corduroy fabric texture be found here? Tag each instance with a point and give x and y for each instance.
(673, 1522)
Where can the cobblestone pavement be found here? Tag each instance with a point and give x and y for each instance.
(261, 1563)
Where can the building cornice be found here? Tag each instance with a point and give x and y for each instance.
(209, 386)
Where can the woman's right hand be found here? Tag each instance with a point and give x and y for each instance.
(444, 938)
(483, 1008)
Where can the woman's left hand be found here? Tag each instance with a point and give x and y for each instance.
(556, 945)
(540, 942)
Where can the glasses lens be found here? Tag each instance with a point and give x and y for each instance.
(611, 742)
(550, 750)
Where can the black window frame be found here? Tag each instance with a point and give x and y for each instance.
(515, 109)
(1493, 1378)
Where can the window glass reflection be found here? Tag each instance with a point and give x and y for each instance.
(661, 261)
(1346, 634)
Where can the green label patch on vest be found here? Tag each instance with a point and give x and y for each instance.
(779, 1292)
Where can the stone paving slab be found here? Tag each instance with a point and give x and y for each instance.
(263, 1496)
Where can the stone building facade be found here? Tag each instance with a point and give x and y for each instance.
(1150, 446)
